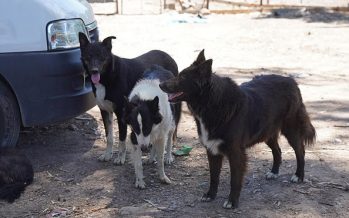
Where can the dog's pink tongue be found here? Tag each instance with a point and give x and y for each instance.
(172, 96)
(95, 78)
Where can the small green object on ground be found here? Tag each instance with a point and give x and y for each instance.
(184, 150)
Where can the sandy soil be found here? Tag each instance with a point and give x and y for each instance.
(70, 181)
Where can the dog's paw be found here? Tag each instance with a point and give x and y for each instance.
(107, 156)
(140, 184)
(271, 176)
(206, 198)
(296, 179)
(165, 180)
(169, 159)
(229, 205)
(120, 160)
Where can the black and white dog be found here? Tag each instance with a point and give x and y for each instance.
(16, 173)
(153, 121)
(231, 118)
(113, 78)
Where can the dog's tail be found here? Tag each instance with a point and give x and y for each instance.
(10, 192)
(307, 129)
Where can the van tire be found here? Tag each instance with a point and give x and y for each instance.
(10, 120)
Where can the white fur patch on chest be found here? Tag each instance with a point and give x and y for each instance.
(210, 144)
(100, 98)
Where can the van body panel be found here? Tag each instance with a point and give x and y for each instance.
(23, 23)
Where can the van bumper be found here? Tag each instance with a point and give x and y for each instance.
(50, 86)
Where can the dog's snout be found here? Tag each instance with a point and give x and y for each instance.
(144, 148)
(161, 85)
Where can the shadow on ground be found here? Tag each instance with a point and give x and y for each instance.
(309, 15)
(190, 177)
(337, 111)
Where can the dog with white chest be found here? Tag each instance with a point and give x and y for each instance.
(153, 121)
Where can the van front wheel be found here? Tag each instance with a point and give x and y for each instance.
(10, 121)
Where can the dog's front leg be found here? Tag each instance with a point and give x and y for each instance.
(120, 160)
(137, 161)
(215, 164)
(237, 162)
(160, 150)
(108, 127)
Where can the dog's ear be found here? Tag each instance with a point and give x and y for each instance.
(107, 42)
(154, 104)
(83, 40)
(200, 59)
(205, 69)
(154, 108)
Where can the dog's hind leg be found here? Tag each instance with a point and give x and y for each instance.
(215, 164)
(108, 126)
(120, 160)
(294, 139)
(160, 150)
(168, 157)
(177, 117)
(298, 148)
(174, 137)
(151, 157)
(299, 132)
(275, 149)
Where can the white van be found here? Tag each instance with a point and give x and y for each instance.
(41, 76)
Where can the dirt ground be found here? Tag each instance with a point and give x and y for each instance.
(69, 181)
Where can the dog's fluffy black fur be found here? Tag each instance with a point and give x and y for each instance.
(113, 78)
(16, 172)
(231, 118)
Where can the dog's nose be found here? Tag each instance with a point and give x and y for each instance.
(144, 148)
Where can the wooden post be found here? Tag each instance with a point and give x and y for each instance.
(117, 6)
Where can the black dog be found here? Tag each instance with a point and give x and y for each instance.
(231, 118)
(113, 78)
(16, 172)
